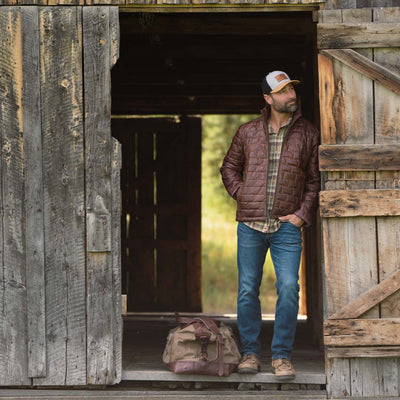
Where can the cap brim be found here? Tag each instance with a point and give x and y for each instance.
(283, 84)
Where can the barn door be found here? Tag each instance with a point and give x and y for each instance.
(359, 86)
(60, 317)
(161, 212)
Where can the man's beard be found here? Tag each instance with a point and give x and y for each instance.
(288, 107)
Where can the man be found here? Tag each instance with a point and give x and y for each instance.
(271, 169)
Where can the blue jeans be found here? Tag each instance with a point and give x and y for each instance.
(285, 247)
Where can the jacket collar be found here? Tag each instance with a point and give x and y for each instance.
(266, 112)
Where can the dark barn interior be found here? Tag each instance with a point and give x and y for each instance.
(177, 67)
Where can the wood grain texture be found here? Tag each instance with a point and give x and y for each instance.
(387, 121)
(349, 268)
(363, 352)
(326, 98)
(362, 332)
(370, 298)
(116, 258)
(98, 43)
(357, 35)
(368, 157)
(63, 178)
(35, 257)
(362, 64)
(356, 203)
(13, 329)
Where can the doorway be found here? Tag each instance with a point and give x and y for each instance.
(177, 67)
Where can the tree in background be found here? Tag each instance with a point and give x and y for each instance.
(219, 269)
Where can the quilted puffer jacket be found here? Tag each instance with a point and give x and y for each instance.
(245, 170)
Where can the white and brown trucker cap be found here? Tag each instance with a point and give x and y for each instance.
(276, 81)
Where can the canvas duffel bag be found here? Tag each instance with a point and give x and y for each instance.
(201, 345)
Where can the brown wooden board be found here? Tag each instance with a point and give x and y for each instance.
(368, 157)
(356, 203)
(362, 64)
(13, 306)
(63, 180)
(362, 332)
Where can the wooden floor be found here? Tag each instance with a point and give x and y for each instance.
(144, 341)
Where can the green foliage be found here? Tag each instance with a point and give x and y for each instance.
(219, 269)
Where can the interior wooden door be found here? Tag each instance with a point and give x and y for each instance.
(161, 212)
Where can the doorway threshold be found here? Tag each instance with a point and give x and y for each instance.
(145, 336)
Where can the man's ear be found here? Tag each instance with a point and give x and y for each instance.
(268, 98)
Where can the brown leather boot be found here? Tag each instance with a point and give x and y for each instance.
(249, 364)
(283, 369)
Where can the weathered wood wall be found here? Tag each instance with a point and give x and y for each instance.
(201, 3)
(346, 4)
(60, 321)
(359, 100)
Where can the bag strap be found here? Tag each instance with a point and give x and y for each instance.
(203, 327)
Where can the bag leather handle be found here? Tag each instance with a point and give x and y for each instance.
(203, 336)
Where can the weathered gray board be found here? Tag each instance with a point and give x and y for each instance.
(60, 321)
(360, 249)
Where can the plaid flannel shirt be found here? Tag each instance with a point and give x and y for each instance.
(271, 225)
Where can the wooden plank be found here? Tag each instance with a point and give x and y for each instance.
(387, 122)
(326, 98)
(362, 332)
(374, 378)
(366, 67)
(339, 378)
(370, 298)
(147, 374)
(116, 258)
(63, 180)
(98, 149)
(363, 352)
(35, 263)
(356, 203)
(349, 268)
(13, 314)
(357, 35)
(367, 157)
(168, 394)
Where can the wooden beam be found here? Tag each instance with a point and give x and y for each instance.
(363, 352)
(370, 298)
(358, 35)
(359, 157)
(362, 332)
(358, 203)
(366, 67)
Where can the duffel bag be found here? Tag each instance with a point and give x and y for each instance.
(201, 345)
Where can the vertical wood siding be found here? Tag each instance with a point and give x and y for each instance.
(205, 3)
(13, 306)
(98, 22)
(360, 252)
(59, 318)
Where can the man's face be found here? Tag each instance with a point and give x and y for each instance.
(284, 101)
